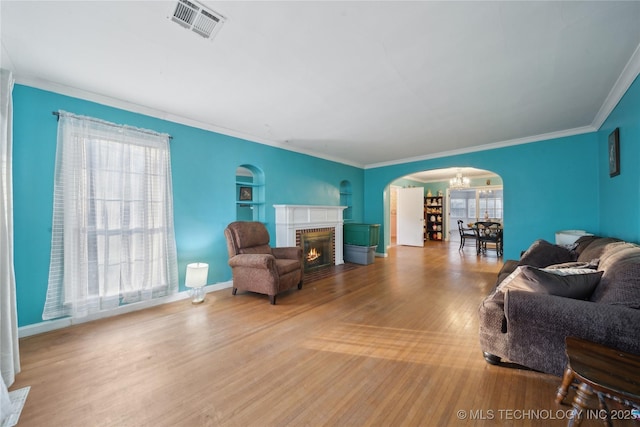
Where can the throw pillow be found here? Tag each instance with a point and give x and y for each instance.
(593, 264)
(542, 253)
(577, 283)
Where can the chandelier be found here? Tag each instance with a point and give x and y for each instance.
(459, 181)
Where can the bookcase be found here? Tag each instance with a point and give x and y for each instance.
(433, 218)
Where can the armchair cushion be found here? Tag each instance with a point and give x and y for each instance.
(285, 266)
(252, 261)
(292, 252)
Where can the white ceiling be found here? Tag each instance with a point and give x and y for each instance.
(365, 83)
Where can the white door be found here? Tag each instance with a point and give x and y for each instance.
(410, 211)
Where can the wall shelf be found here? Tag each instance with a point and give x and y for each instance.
(250, 187)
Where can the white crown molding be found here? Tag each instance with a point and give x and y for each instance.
(61, 89)
(491, 146)
(626, 78)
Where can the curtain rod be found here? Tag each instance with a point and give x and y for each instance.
(150, 132)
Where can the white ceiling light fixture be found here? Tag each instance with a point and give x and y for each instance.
(459, 182)
(197, 18)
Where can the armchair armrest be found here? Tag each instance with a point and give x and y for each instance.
(291, 252)
(265, 261)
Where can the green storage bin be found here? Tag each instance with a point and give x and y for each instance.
(361, 234)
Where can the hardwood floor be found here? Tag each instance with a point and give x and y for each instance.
(389, 344)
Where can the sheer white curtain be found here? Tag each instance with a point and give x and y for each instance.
(9, 355)
(113, 241)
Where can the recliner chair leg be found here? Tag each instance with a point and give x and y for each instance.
(300, 285)
(272, 299)
(234, 291)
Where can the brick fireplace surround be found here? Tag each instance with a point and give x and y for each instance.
(291, 220)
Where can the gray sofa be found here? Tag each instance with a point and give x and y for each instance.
(590, 290)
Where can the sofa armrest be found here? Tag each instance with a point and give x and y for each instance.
(264, 261)
(537, 325)
(291, 252)
(508, 267)
(493, 326)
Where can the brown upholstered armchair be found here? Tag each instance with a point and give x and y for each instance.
(256, 266)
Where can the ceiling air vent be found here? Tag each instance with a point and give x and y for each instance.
(197, 18)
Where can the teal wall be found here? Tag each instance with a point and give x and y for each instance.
(203, 166)
(620, 195)
(551, 185)
(548, 186)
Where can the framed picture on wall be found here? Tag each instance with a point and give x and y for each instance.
(614, 153)
(246, 193)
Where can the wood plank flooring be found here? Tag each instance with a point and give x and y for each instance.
(393, 343)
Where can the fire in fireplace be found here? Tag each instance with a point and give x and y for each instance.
(317, 249)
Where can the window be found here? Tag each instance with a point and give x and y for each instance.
(472, 205)
(113, 240)
(458, 208)
(490, 204)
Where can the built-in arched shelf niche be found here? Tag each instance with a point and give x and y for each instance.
(346, 199)
(249, 194)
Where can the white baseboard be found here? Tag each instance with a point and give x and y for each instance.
(51, 325)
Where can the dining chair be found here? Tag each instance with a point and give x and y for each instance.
(489, 232)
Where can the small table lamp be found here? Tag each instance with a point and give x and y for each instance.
(196, 279)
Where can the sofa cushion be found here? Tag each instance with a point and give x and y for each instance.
(596, 248)
(542, 253)
(617, 252)
(620, 283)
(581, 244)
(577, 283)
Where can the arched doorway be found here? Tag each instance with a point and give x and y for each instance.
(479, 193)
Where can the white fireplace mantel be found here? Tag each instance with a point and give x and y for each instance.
(291, 218)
